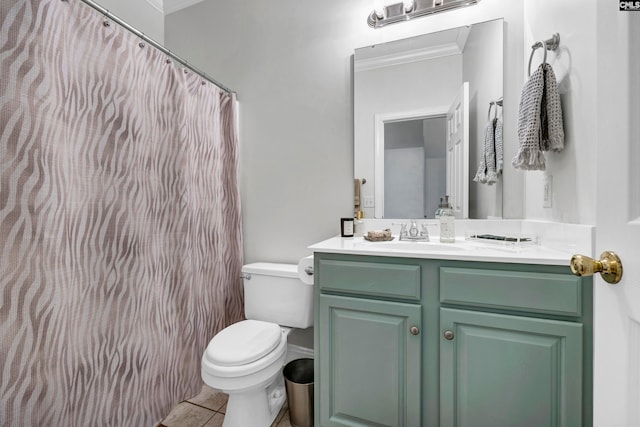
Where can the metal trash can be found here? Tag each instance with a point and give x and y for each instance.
(298, 379)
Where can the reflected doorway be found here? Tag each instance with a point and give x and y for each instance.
(415, 166)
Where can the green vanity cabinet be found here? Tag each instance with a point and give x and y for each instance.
(443, 343)
(499, 370)
(520, 369)
(370, 362)
(370, 353)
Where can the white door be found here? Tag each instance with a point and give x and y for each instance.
(617, 307)
(458, 152)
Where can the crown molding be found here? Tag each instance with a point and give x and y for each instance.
(156, 4)
(407, 57)
(413, 49)
(169, 6)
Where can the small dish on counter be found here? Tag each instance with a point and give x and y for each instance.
(379, 235)
(378, 239)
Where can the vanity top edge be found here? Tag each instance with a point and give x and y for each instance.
(459, 251)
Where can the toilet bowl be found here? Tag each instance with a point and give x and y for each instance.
(245, 360)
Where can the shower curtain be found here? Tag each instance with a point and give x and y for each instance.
(120, 230)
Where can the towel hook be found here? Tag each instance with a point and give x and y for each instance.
(549, 44)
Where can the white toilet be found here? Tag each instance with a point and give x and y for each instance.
(245, 359)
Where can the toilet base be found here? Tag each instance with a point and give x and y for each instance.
(258, 407)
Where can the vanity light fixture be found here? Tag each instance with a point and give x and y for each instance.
(409, 9)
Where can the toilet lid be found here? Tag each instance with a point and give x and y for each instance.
(244, 342)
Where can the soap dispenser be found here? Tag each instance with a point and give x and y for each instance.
(358, 226)
(447, 221)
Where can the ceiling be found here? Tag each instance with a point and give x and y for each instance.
(169, 6)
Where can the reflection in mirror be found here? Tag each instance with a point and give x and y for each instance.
(414, 166)
(405, 93)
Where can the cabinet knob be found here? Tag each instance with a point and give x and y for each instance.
(448, 335)
(414, 330)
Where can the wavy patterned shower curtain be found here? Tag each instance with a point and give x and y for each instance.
(120, 231)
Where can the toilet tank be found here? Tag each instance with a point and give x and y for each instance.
(274, 293)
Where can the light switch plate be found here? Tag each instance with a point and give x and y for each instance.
(368, 202)
(548, 191)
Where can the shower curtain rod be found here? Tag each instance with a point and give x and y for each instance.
(155, 44)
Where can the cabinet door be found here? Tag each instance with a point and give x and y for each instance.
(370, 362)
(499, 370)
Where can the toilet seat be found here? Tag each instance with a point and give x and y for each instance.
(251, 352)
(243, 342)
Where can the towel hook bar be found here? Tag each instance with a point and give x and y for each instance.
(549, 44)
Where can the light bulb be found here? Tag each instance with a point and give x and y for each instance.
(378, 8)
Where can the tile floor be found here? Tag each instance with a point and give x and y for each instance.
(207, 410)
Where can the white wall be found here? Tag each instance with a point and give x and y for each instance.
(435, 168)
(139, 14)
(404, 162)
(290, 62)
(575, 67)
(403, 182)
(436, 175)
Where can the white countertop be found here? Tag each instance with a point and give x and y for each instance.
(461, 250)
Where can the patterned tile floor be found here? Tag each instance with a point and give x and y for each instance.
(207, 410)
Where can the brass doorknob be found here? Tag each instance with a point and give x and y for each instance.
(609, 266)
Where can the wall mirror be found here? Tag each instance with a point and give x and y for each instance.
(421, 106)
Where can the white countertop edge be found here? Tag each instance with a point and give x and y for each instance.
(558, 242)
(530, 255)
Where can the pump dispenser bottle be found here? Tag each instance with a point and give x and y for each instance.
(358, 226)
(446, 217)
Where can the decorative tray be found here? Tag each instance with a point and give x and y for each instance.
(379, 236)
(514, 240)
(378, 239)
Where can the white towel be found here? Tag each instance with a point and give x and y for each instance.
(539, 120)
(357, 191)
